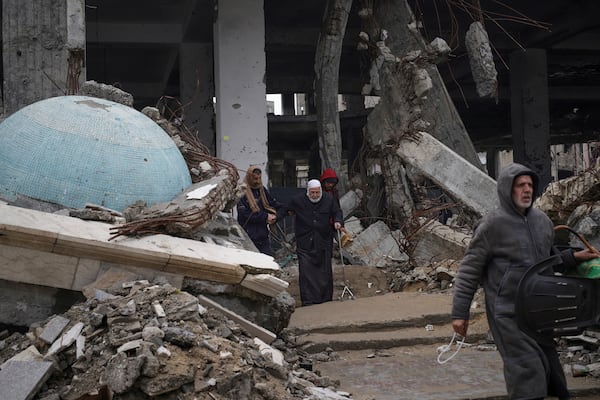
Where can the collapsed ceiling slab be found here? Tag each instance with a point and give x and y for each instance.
(57, 234)
(451, 172)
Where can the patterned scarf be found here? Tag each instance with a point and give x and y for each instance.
(261, 189)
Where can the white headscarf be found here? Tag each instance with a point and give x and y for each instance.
(313, 183)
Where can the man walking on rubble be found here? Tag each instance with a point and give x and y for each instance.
(505, 244)
(314, 241)
(257, 210)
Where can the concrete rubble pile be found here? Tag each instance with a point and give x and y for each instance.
(428, 257)
(580, 355)
(143, 341)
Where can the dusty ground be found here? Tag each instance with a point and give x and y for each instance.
(362, 281)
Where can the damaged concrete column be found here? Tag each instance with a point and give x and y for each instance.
(196, 65)
(240, 89)
(529, 111)
(42, 51)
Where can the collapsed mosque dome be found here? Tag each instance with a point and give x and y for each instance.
(73, 150)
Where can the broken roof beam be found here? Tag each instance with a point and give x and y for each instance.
(69, 236)
(455, 175)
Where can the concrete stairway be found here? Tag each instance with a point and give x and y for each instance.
(387, 349)
(379, 322)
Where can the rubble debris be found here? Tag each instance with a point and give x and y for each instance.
(436, 242)
(585, 220)
(560, 198)
(53, 328)
(108, 92)
(374, 246)
(481, 60)
(89, 239)
(463, 181)
(350, 201)
(186, 353)
(20, 380)
(180, 217)
(255, 330)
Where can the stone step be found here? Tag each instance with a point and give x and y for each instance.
(377, 340)
(386, 351)
(380, 322)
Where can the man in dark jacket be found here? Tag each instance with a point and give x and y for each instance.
(505, 244)
(257, 210)
(314, 242)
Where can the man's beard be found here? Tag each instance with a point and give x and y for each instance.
(315, 200)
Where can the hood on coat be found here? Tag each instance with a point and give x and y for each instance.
(328, 173)
(505, 182)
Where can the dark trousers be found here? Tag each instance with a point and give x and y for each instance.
(557, 383)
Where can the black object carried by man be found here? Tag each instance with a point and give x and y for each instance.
(551, 304)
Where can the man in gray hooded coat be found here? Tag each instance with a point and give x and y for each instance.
(505, 244)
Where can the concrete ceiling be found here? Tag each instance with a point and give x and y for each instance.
(135, 44)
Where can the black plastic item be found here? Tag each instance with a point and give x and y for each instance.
(550, 305)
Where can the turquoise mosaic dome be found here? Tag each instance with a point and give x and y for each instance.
(73, 150)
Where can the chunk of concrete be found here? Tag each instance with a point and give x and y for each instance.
(435, 242)
(350, 201)
(457, 176)
(269, 352)
(353, 226)
(21, 380)
(374, 246)
(29, 354)
(65, 340)
(481, 59)
(54, 328)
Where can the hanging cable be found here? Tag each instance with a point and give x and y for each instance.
(446, 348)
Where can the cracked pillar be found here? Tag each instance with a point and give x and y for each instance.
(43, 52)
(240, 89)
(529, 111)
(196, 66)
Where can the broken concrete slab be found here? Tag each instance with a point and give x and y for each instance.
(255, 330)
(21, 380)
(31, 353)
(54, 328)
(264, 283)
(585, 220)
(66, 340)
(57, 234)
(353, 226)
(182, 216)
(350, 201)
(374, 246)
(455, 175)
(435, 242)
(562, 197)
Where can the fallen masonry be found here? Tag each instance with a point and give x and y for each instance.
(152, 341)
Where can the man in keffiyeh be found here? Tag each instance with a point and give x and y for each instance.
(257, 209)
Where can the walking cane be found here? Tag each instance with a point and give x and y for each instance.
(346, 288)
